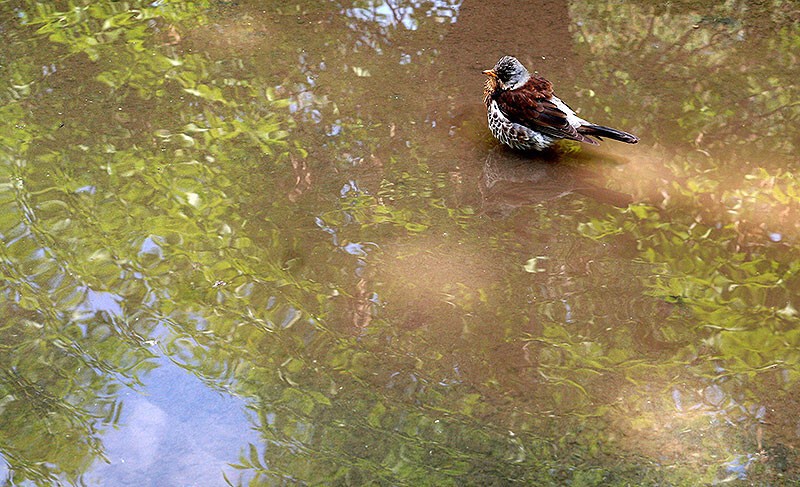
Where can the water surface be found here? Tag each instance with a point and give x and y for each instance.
(276, 244)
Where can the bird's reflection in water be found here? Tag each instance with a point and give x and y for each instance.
(510, 180)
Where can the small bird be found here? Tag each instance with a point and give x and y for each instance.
(525, 114)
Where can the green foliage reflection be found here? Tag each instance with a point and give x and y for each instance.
(194, 181)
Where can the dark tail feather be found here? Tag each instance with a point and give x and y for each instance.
(588, 140)
(599, 131)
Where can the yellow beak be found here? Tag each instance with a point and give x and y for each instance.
(490, 72)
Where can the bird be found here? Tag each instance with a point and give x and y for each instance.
(525, 114)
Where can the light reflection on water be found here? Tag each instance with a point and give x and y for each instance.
(390, 14)
(301, 205)
(198, 431)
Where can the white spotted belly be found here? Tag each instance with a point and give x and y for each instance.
(513, 134)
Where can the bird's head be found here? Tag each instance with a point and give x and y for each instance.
(509, 73)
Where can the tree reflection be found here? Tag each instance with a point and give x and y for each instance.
(743, 98)
(246, 191)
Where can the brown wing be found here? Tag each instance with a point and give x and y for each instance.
(530, 106)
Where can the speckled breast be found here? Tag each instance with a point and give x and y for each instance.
(513, 134)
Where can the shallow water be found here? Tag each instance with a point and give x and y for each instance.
(277, 244)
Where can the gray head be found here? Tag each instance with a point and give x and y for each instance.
(510, 72)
